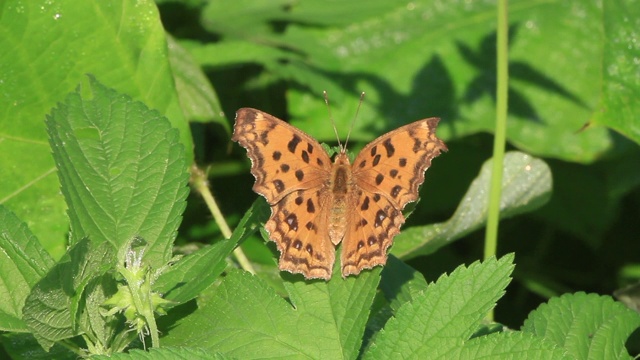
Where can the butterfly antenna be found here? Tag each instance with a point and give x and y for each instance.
(354, 119)
(326, 101)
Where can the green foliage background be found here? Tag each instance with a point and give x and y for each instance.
(573, 113)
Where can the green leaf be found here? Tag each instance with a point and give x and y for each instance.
(400, 284)
(48, 47)
(508, 345)
(243, 18)
(195, 272)
(53, 307)
(122, 170)
(383, 53)
(198, 99)
(168, 353)
(526, 185)
(246, 318)
(445, 315)
(23, 262)
(619, 107)
(26, 347)
(99, 329)
(587, 326)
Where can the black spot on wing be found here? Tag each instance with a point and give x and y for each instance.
(292, 220)
(379, 179)
(293, 143)
(389, 147)
(311, 208)
(380, 216)
(376, 160)
(395, 191)
(365, 204)
(279, 185)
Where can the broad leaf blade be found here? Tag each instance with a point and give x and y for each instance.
(48, 47)
(509, 345)
(23, 262)
(526, 185)
(51, 310)
(246, 318)
(122, 170)
(587, 326)
(619, 106)
(445, 315)
(165, 353)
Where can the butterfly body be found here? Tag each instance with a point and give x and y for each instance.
(317, 203)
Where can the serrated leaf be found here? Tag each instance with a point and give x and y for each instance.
(23, 262)
(168, 353)
(48, 47)
(508, 345)
(246, 318)
(587, 326)
(195, 272)
(122, 170)
(399, 284)
(526, 185)
(445, 315)
(51, 310)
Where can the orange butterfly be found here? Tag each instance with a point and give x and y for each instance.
(316, 203)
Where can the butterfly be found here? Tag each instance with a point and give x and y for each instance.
(316, 203)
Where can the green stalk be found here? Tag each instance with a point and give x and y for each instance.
(502, 47)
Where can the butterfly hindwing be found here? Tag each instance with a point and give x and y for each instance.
(373, 222)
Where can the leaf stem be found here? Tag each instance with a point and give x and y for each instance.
(199, 182)
(502, 62)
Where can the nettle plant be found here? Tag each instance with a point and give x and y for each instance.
(124, 175)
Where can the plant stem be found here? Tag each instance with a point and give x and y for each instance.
(199, 182)
(502, 63)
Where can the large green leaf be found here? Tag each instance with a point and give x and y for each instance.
(122, 170)
(429, 59)
(47, 48)
(619, 107)
(588, 326)
(246, 319)
(442, 317)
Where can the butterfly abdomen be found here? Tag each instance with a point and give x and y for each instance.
(340, 186)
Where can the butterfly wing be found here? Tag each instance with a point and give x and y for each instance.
(291, 170)
(388, 173)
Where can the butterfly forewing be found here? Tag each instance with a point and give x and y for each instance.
(393, 165)
(291, 169)
(284, 159)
